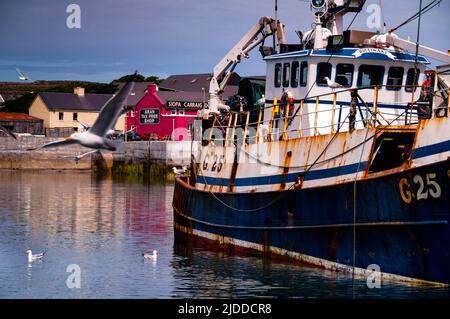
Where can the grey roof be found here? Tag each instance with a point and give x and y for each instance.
(70, 101)
(181, 96)
(139, 90)
(193, 96)
(193, 82)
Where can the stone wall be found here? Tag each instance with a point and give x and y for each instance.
(14, 154)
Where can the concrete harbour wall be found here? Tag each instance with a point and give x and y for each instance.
(134, 157)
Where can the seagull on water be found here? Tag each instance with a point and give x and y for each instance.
(331, 84)
(153, 256)
(96, 137)
(179, 170)
(34, 257)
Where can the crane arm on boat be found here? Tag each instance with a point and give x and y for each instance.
(265, 27)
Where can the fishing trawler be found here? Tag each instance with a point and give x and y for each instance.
(344, 164)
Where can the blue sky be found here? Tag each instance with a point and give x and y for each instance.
(163, 37)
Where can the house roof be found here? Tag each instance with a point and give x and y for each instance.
(181, 96)
(193, 96)
(139, 90)
(193, 82)
(70, 101)
(7, 116)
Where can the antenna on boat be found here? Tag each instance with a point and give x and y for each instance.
(275, 44)
(319, 8)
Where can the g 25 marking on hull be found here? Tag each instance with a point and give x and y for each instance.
(425, 187)
(216, 164)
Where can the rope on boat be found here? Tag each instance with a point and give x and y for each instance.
(302, 174)
(354, 209)
(366, 224)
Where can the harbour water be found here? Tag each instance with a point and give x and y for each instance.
(103, 226)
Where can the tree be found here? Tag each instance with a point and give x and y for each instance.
(154, 79)
(129, 77)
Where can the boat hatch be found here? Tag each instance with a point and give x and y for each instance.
(391, 150)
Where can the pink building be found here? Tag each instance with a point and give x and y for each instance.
(165, 115)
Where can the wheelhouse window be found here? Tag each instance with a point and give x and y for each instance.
(277, 82)
(412, 80)
(370, 75)
(295, 75)
(344, 74)
(303, 73)
(286, 74)
(323, 70)
(395, 78)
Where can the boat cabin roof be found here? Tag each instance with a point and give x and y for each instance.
(354, 53)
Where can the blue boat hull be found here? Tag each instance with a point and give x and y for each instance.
(400, 222)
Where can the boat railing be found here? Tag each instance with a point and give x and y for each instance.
(290, 121)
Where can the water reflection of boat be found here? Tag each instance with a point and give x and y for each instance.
(342, 178)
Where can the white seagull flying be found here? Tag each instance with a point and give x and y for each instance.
(34, 257)
(22, 75)
(332, 84)
(96, 136)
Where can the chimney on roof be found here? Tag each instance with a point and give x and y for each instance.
(152, 88)
(78, 91)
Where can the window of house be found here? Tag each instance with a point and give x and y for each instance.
(277, 75)
(370, 75)
(323, 70)
(181, 111)
(411, 79)
(395, 78)
(303, 73)
(61, 116)
(295, 75)
(344, 74)
(75, 116)
(286, 74)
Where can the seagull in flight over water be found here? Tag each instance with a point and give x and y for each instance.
(96, 136)
(34, 257)
(331, 84)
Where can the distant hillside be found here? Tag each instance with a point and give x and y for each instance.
(19, 96)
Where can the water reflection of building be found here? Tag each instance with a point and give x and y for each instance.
(74, 203)
(148, 214)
